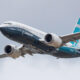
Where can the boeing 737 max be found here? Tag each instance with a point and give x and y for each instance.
(34, 41)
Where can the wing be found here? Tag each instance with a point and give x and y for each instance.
(71, 37)
(4, 56)
(24, 50)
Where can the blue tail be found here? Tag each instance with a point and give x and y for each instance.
(76, 30)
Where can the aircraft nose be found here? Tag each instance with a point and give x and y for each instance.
(6, 31)
(2, 27)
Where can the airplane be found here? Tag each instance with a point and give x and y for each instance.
(35, 41)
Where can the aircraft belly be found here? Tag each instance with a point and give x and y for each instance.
(67, 52)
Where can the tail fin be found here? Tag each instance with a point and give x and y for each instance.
(76, 30)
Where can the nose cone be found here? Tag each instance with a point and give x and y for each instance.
(3, 30)
(2, 27)
(8, 32)
(11, 32)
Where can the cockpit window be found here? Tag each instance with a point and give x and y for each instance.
(7, 23)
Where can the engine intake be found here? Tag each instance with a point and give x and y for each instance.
(8, 49)
(48, 37)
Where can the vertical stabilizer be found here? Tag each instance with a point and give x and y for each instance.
(76, 30)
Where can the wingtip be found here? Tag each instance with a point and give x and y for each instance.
(3, 56)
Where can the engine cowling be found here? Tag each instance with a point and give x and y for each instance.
(53, 40)
(12, 51)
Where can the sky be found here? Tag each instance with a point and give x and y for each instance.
(52, 16)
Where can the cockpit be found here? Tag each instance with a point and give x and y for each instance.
(9, 23)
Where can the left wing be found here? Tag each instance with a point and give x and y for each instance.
(4, 56)
(71, 37)
(16, 52)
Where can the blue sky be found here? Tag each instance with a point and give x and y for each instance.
(54, 16)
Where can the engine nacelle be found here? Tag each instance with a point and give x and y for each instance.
(53, 40)
(12, 51)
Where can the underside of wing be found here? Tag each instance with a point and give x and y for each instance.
(4, 56)
(71, 37)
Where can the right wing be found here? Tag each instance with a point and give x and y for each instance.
(71, 37)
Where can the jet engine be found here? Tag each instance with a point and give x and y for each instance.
(53, 40)
(12, 51)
